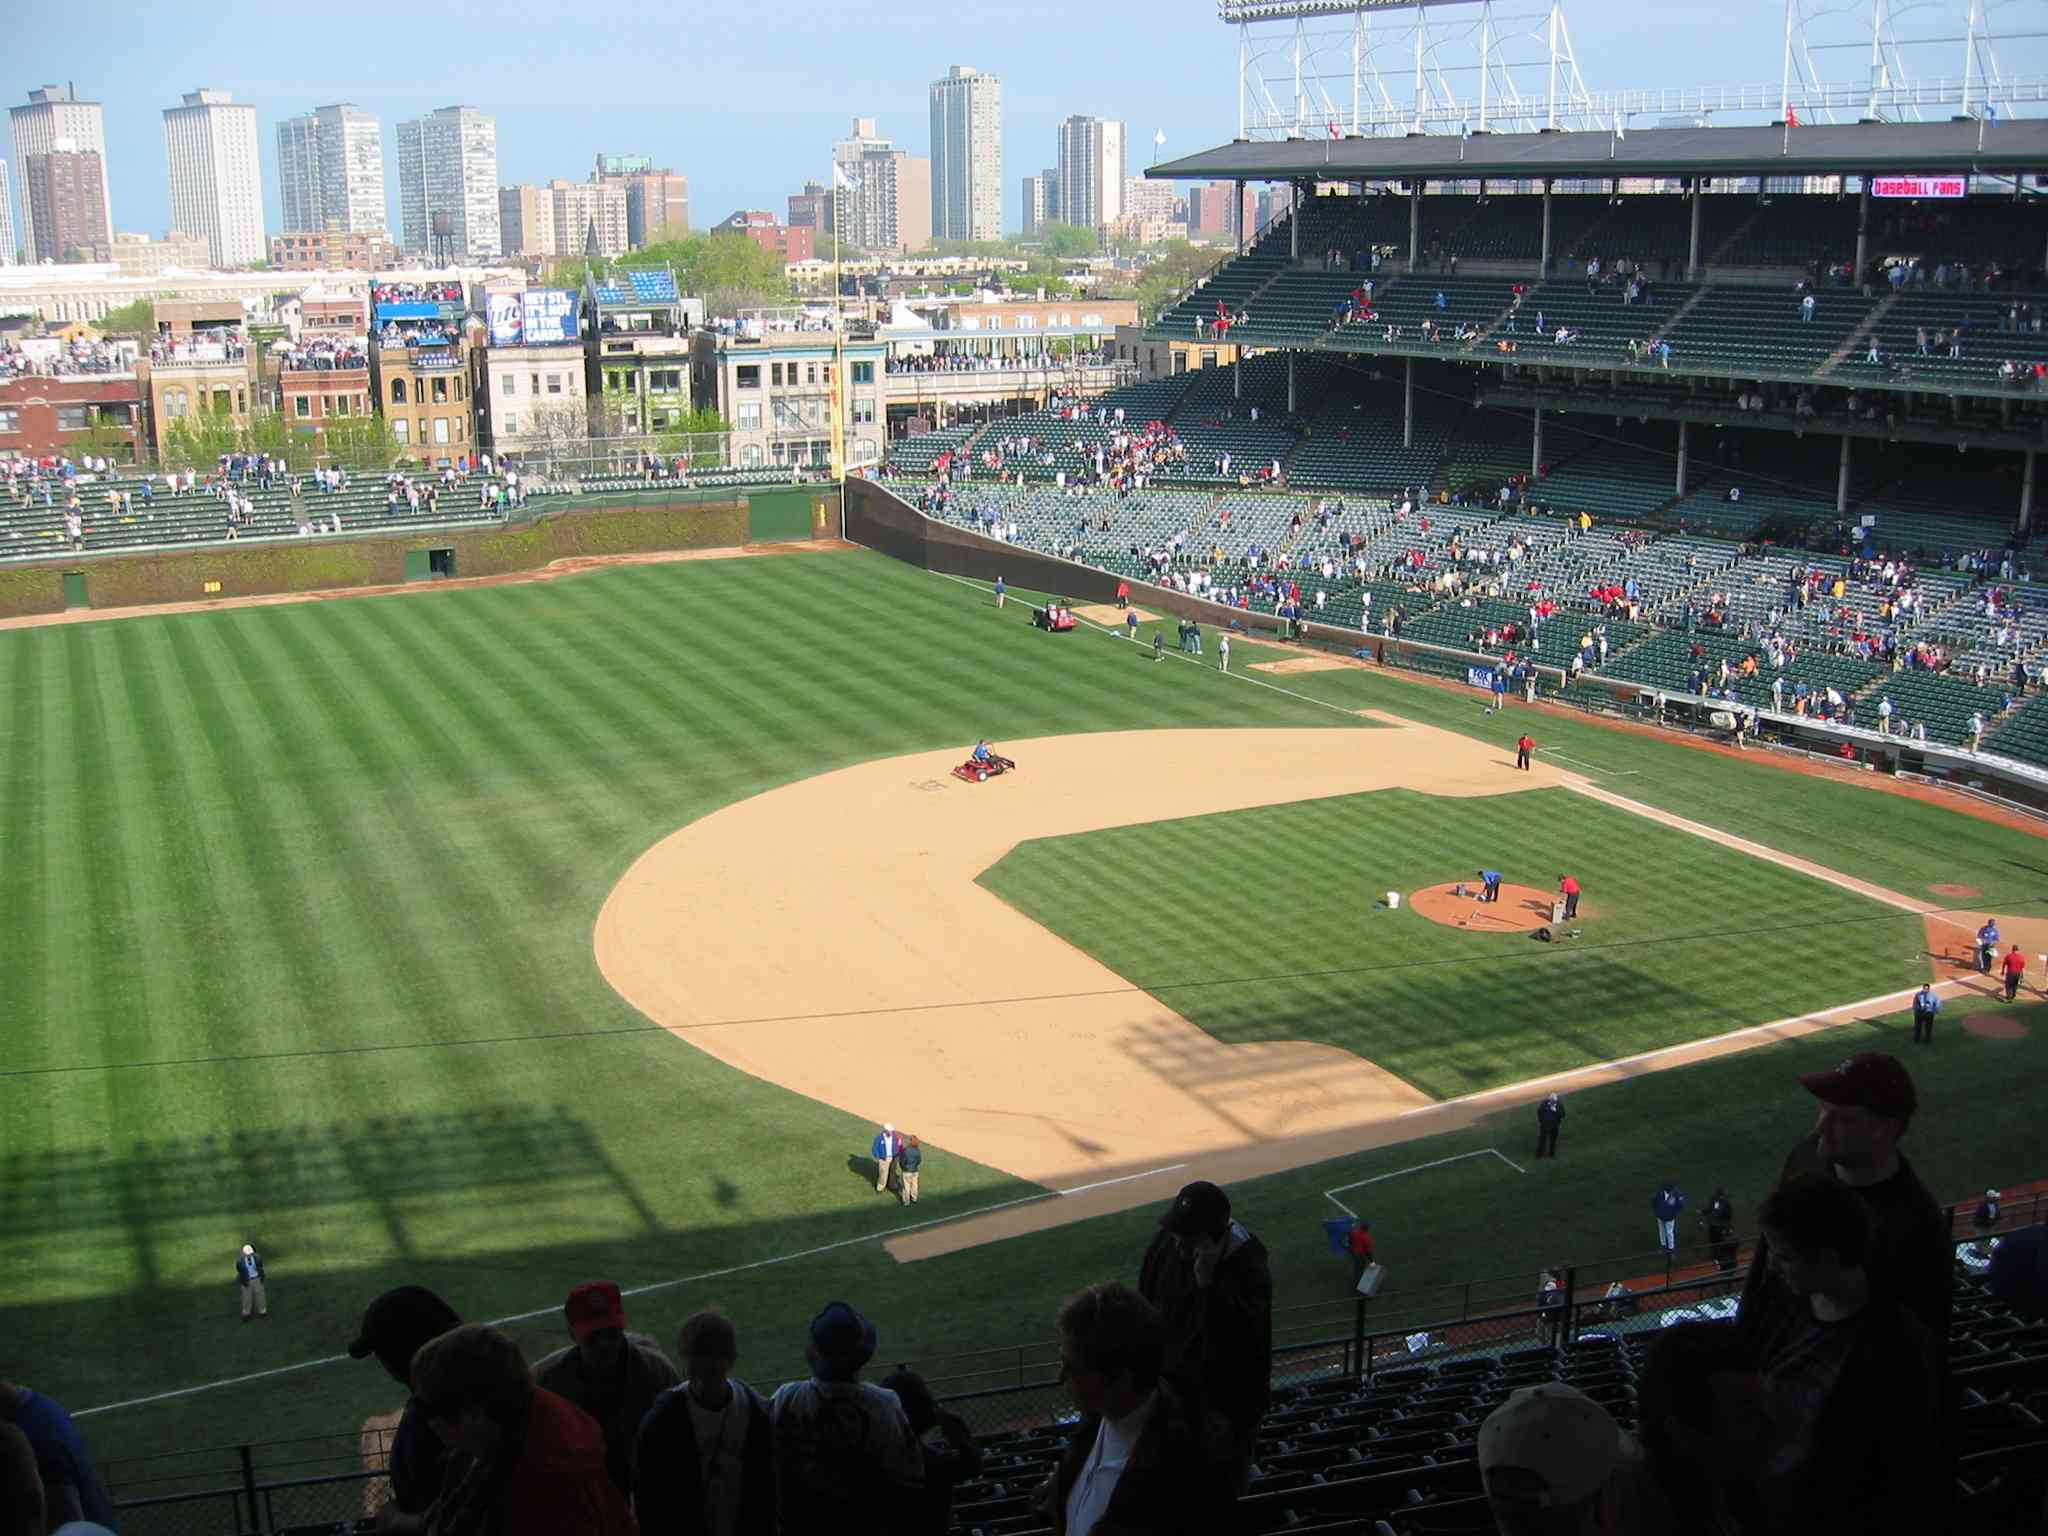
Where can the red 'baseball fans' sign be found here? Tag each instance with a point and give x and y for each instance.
(1917, 186)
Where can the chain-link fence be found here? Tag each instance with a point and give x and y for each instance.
(323, 1484)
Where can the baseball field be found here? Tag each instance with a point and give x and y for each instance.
(497, 939)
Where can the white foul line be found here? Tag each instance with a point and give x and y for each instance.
(645, 1290)
(1332, 1194)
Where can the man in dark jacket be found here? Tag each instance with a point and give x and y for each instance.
(612, 1375)
(1210, 1280)
(1835, 1423)
(1549, 1121)
(705, 1460)
(395, 1326)
(1137, 1461)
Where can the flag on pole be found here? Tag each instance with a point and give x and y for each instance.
(1791, 117)
(1336, 132)
(841, 179)
(1159, 137)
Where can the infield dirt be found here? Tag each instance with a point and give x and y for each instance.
(830, 937)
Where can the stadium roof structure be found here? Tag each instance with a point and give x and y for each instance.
(2013, 146)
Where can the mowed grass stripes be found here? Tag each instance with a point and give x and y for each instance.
(300, 904)
(1681, 938)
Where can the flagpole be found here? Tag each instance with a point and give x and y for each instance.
(838, 345)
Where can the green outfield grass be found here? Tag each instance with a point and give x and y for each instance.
(1679, 937)
(301, 907)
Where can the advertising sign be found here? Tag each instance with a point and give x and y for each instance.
(1918, 186)
(507, 320)
(549, 316)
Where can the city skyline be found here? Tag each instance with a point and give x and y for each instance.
(559, 96)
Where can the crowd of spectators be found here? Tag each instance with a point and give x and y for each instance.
(975, 362)
(324, 356)
(416, 293)
(218, 344)
(51, 359)
(417, 333)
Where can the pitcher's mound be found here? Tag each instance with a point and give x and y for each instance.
(1953, 891)
(1521, 908)
(1995, 1026)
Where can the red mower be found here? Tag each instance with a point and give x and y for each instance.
(975, 771)
(1055, 617)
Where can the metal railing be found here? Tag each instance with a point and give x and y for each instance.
(325, 1484)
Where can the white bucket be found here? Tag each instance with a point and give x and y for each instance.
(1393, 901)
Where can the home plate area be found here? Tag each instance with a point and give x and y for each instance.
(1521, 908)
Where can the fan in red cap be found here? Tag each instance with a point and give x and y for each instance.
(1867, 1101)
(612, 1375)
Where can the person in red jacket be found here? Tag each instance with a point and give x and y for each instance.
(1568, 887)
(1523, 748)
(2014, 966)
(1358, 1243)
(536, 1460)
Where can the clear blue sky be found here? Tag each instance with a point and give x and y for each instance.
(746, 99)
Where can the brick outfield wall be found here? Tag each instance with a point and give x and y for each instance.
(309, 565)
(877, 519)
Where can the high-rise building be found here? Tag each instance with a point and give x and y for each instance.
(217, 175)
(1220, 209)
(1041, 201)
(7, 247)
(54, 112)
(811, 208)
(448, 184)
(1152, 199)
(579, 207)
(330, 170)
(1091, 171)
(967, 155)
(657, 200)
(63, 201)
(881, 195)
(526, 221)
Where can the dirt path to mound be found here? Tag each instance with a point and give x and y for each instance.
(829, 936)
(571, 565)
(1113, 616)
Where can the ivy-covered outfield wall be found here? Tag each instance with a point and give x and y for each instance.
(719, 520)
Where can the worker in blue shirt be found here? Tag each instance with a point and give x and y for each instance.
(1926, 1004)
(1491, 879)
(1987, 944)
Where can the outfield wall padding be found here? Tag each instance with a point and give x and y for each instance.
(651, 523)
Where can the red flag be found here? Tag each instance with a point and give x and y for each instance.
(1336, 132)
(1791, 117)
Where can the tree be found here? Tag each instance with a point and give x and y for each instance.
(1067, 241)
(137, 319)
(361, 442)
(1177, 265)
(726, 269)
(108, 437)
(558, 431)
(700, 436)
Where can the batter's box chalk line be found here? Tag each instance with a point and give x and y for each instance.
(1380, 1178)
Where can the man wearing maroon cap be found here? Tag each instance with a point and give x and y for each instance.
(1866, 1104)
(612, 1375)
